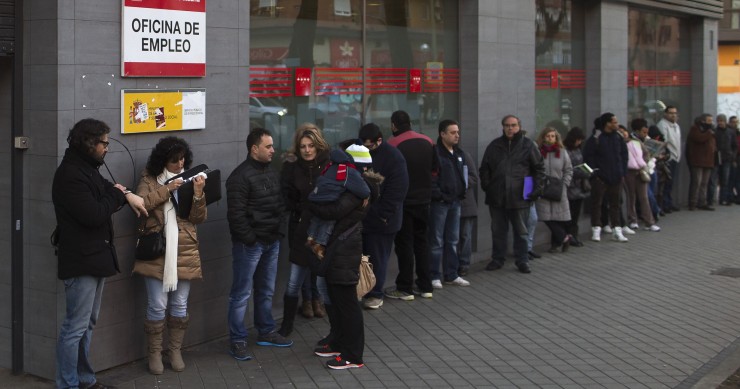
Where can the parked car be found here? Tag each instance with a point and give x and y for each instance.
(262, 107)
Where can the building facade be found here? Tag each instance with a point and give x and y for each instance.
(279, 63)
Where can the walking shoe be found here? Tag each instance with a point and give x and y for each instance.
(437, 284)
(426, 295)
(596, 234)
(459, 281)
(238, 350)
(607, 229)
(628, 231)
(653, 228)
(531, 254)
(618, 236)
(372, 303)
(340, 363)
(274, 339)
(326, 351)
(706, 208)
(96, 385)
(494, 265)
(463, 271)
(394, 293)
(634, 226)
(524, 268)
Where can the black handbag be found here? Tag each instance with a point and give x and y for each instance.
(553, 190)
(150, 246)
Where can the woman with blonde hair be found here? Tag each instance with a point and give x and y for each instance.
(555, 214)
(167, 278)
(304, 161)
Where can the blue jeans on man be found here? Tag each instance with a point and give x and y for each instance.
(254, 267)
(668, 204)
(444, 234)
(724, 172)
(500, 220)
(531, 225)
(83, 295)
(465, 246)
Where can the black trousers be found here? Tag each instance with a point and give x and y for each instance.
(557, 231)
(412, 249)
(349, 334)
(575, 214)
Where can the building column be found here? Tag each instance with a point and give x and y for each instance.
(704, 67)
(607, 29)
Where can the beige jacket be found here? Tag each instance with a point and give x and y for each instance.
(188, 256)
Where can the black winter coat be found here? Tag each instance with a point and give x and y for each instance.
(448, 180)
(606, 153)
(297, 180)
(384, 215)
(84, 202)
(503, 168)
(255, 205)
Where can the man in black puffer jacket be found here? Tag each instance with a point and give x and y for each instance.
(255, 213)
(506, 162)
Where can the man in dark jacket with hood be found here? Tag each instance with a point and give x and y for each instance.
(383, 219)
(506, 162)
(606, 153)
(255, 213)
(84, 202)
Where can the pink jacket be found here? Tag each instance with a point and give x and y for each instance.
(636, 159)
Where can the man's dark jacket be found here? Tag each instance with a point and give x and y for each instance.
(448, 180)
(384, 215)
(606, 153)
(726, 144)
(503, 168)
(254, 202)
(84, 202)
(417, 151)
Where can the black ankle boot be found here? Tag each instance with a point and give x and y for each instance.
(290, 307)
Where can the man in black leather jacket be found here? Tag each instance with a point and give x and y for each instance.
(506, 162)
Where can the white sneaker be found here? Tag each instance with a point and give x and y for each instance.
(634, 226)
(372, 303)
(596, 234)
(437, 284)
(617, 235)
(653, 228)
(459, 281)
(607, 229)
(628, 231)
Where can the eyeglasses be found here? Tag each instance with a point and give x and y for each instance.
(105, 143)
(511, 125)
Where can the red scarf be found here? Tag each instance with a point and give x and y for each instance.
(544, 149)
(341, 170)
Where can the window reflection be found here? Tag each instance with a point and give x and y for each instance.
(659, 64)
(352, 83)
(560, 64)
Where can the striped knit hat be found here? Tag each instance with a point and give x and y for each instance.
(361, 155)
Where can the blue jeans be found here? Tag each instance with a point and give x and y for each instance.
(652, 187)
(255, 267)
(378, 247)
(444, 234)
(531, 225)
(159, 301)
(466, 240)
(320, 230)
(725, 185)
(500, 219)
(83, 295)
(668, 187)
(297, 277)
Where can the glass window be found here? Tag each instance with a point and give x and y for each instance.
(361, 59)
(560, 65)
(659, 66)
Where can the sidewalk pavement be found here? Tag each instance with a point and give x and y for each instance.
(644, 314)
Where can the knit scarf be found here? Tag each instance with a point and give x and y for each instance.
(169, 279)
(545, 148)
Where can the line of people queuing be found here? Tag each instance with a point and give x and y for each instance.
(365, 197)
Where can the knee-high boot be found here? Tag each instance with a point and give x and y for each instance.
(290, 307)
(153, 330)
(176, 327)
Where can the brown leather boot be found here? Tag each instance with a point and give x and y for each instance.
(176, 327)
(318, 308)
(307, 309)
(153, 330)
